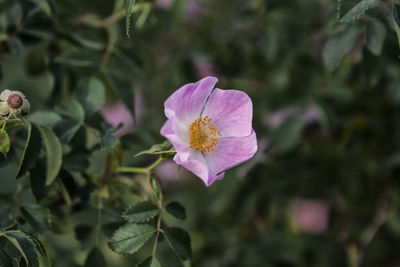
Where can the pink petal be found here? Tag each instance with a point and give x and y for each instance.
(171, 131)
(197, 164)
(188, 101)
(231, 152)
(231, 112)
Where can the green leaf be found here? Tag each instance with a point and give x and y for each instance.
(95, 258)
(37, 180)
(376, 33)
(149, 262)
(128, 10)
(179, 240)
(37, 216)
(131, 237)
(358, 10)
(78, 58)
(66, 130)
(91, 95)
(46, 118)
(140, 212)
(337, 47)
(31, 150)
(176, 209)
(288, 134)
(72, 109)
(157, 149)
(24, 244)
(53, 153)
(4, 142)
(45, 6)
(123, 87)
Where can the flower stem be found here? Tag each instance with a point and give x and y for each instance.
(159, 217)
(133, 170)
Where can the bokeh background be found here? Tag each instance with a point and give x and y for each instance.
(323, 188)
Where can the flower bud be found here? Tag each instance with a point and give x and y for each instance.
(15, 101)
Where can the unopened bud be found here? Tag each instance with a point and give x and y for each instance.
(15, 101)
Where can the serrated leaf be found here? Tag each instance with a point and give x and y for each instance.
(66, 130)
(37, 216)
(123, 87)
(4, 142)
(140, 212)
(149, 262)
(287, 135)
(53, 153)
(179, 240)
(24, 245)
(95, 258)
(128, 10)
(157, 149)
(359, 10)
(91, 95)
(31, 150)
(176, 209)
(337, 47)
(131, 237)
(376, 33)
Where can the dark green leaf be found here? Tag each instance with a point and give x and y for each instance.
(131, 237)
(95, 259)
(128, 10)
(149, 262)
(337, 47)
(179, 240)
(53, 153)
(396, 21)
(176, 210)
(37, 180)
(46, 118)
(140, 212)
(66, 129)
(376, 33)
(31, 150)
(24, 245)
(37, 216)
(91, 95)
(45, 6)
(72, 109)
(358, 10)
(157, 149)
(108, 141)
(4, 142)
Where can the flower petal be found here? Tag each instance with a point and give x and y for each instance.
(26, 106)
(4, 108)
(231, 112)
(5, 94)
(174, 132)
(188, 101)
(231, 152)
(197, 164)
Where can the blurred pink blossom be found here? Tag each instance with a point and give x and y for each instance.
(203, 68)
(310, 216)
(193, 10)
(167, 171)
(115, 113)
(165, 4)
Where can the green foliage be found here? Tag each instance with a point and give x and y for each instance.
(376, 33)
(176, 209)
(358, 10)
(179, 240)
(131, 237)
(31, 150)
(158, 149)
(128, 10)
(140, 212)
(95, 258)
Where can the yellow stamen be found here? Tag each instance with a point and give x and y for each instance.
(203, 135)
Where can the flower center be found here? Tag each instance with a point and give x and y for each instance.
(15, 101)
(203, 135)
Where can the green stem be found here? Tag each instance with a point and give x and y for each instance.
(159, 217)
(133, 170)
(158, 161)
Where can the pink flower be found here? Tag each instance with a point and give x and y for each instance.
(310, 216)
(209, 128)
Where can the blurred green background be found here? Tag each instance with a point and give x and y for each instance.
(324, 78)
